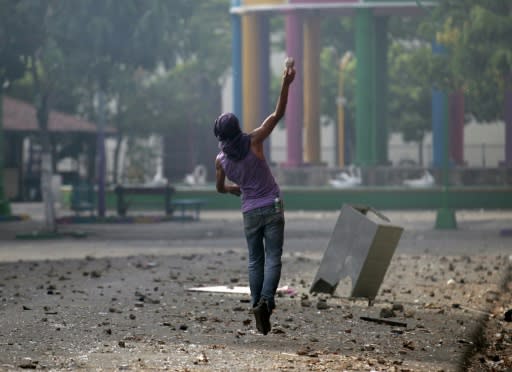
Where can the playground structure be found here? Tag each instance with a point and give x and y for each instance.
(250, 24)
(251, 75)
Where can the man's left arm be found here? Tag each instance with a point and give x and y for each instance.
(221, 181)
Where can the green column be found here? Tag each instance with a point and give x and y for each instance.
(445, 218)
(365, 96)
(4, 205)
(381, 90)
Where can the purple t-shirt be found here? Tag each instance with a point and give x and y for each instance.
(252, 174)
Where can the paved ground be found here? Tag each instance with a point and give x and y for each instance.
(118, 300)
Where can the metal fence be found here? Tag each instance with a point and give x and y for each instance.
(482, 155)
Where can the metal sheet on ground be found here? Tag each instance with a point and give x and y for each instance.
(285, 290)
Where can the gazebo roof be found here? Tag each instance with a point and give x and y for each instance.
(20, 116)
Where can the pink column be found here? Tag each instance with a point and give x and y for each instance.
(457, 127)
(294, 114)
(508, 121)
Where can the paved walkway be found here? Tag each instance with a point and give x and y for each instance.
(306, 232)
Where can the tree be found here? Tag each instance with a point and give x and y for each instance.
(410, 91)
(36, 52)
(178, 101)
(478, 36)
(104, 35)
(409, 72)
(16, 45)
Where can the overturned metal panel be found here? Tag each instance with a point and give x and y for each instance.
(361, 247)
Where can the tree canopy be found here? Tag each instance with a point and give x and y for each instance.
(21, 35)
(478, 39)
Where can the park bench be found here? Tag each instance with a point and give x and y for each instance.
(3, 205)
(189, 208)
(123, 193)
(83, 198)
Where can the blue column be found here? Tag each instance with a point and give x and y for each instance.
(438, 115)
(236, 61)
(445, 217)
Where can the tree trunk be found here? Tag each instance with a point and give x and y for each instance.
(117, 151)
(4, 205)
(420, 152)
(46, 165)
(508, 120)
(101, 169)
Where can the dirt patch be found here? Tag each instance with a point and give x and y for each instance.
(492, 349)
(135, 313)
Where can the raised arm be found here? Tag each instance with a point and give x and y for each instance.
(259, 134)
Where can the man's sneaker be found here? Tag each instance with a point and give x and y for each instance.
(262, 316)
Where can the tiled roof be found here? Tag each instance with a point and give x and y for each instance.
(20, 116)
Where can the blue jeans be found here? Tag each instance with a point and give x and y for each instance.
(264, 231)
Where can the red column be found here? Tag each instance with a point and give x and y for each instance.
(294, 111)
(457, 127)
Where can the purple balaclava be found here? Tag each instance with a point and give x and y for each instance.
(232, 141)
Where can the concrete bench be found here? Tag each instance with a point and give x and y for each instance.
(189, 208)
(83, 198)
(122, 192)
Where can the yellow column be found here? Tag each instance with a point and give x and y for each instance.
(341, 109)
(312, 90)
(251, 82)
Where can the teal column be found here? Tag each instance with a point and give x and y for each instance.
(445, 217)
(4, 204)
(381, 90)
(365, 97)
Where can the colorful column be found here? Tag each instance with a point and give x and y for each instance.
(438, 98)
(264, 73)
(312, 90)
(340, 132)
(457, 127)
(236, 61)
(445, 216)
(343, 133)
(294, 111)
(381, 90)
(365, 97)
(508, 121)
(251, 82)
